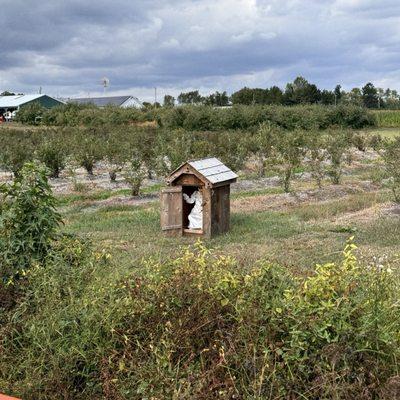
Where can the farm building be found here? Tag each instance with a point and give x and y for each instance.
(197, 199)
(14, 103)
(117, 101)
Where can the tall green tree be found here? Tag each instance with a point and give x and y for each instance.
(192, 97)
(244, 96)
(248, 96)
(338, 94)
(300, 91)
(327, 97)
(354, 97)
(370, 96)
(219, 99)
(275, 95)
(169, 101)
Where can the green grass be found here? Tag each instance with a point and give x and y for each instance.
(73, 198)
(333, 208)
(388, 133)
(290, 237)
(256, 192)
(388, 118)
(383, 232)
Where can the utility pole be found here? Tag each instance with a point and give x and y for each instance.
(155, 96)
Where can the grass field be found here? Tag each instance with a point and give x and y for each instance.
(388, 133)
(387, 118)
(265, 223)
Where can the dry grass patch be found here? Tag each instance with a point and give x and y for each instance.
(304, 199)
(332, 208)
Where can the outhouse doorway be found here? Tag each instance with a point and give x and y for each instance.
(197, 199)
(187, 208)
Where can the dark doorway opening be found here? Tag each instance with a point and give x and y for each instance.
(187, 208)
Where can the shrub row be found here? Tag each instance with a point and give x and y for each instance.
(140, 152)
(246, 117)
(77, 115)
(203, 117)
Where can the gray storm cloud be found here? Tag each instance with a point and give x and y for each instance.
(67, 46)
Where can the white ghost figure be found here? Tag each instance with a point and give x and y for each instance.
(196, 215)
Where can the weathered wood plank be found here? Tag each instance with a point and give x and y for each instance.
(189, 180)
(171, 211)
(207, 212)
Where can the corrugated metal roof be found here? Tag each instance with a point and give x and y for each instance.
(103, 101)
(213, 170)
(18, 100)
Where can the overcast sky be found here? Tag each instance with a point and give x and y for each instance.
(66, 47)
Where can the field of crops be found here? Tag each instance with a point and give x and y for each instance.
(103, 305)
(387, 118)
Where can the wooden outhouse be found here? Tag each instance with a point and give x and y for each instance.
(212, 179)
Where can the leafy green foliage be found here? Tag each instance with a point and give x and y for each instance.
(392, 157)
(262, 145)
(53, 152)
(87, 148)
(337, 145)
(317, 155)
(17, 148)
(246, 117)
(135, 173)
(288, 153)
(31, 114)
(192, 97)
(370, 96)
(387, 118)
(199, 326)
(376, 142)
(360, 141)
(28, 221)
(197, 117)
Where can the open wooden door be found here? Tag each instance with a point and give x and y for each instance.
(171, 210)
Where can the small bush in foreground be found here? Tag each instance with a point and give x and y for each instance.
(28, 221)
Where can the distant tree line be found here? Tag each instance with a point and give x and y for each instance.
(300, 91)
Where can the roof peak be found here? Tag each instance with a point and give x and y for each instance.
(211, 169)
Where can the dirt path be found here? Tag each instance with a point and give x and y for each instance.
(284, 201)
